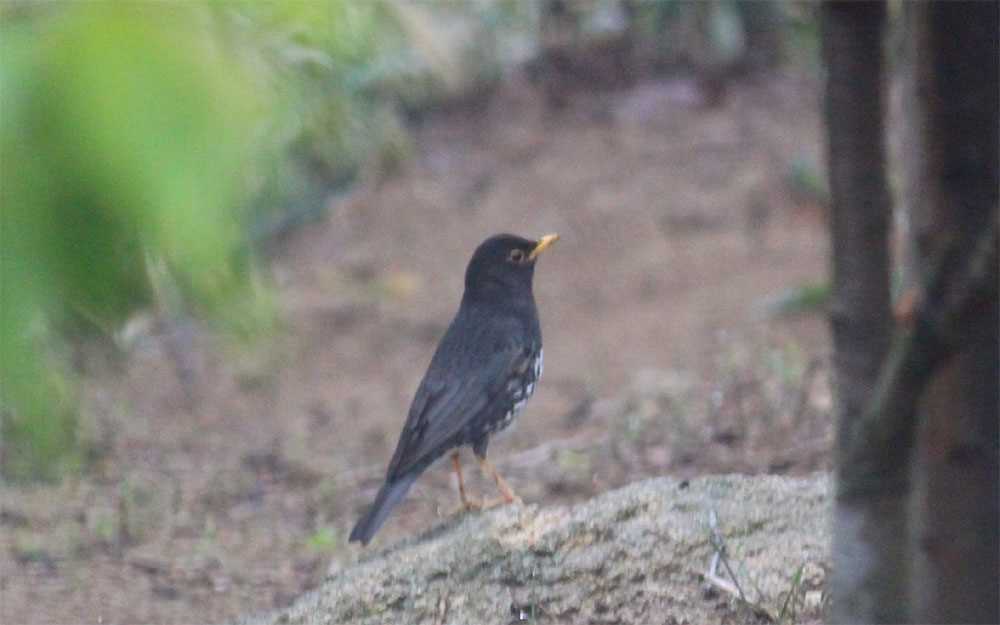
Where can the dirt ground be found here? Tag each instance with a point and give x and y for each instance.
(227, 485)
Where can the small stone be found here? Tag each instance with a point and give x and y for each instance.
(709, 592)
(813, 574)
(813, 600)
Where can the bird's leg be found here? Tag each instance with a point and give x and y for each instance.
(507, 494)
(467, 504)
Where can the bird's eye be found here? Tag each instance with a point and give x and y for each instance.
(516, 256)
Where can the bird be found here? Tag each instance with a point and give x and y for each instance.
(483, 372)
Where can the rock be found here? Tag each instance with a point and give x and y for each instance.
(634, 555)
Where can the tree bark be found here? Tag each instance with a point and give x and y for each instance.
(958, 510)
(870, 537)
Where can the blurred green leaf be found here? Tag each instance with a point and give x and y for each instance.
(323, 540)
(807, 182)
(802, 299)
(124, 137)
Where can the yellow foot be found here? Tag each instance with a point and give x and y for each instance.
(469, 505)
(502, 501)
(507, 494)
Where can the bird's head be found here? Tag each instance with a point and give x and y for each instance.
(505, 263)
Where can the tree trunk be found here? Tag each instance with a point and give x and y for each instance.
(958, 512)
(869, 580)
(765, 29)
(939, 383)
(909, 151)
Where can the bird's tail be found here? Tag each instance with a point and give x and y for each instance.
(391, 493)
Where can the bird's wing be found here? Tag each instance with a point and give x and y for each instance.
(443, 407)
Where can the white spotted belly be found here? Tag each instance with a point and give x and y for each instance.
(521, 390)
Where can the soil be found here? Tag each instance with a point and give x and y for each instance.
(222, 482)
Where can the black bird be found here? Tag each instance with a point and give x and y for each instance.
(484, 370)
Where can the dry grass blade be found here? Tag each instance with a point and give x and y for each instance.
(712, 576)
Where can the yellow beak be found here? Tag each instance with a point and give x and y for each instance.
(543, 244)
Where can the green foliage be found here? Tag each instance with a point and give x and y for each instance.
(305, 51)
(345, 71)
(807, 182)
(803, 299)
(323, 540)
(146, 147)
(124, 143)
(803, 33)
(40, 431)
